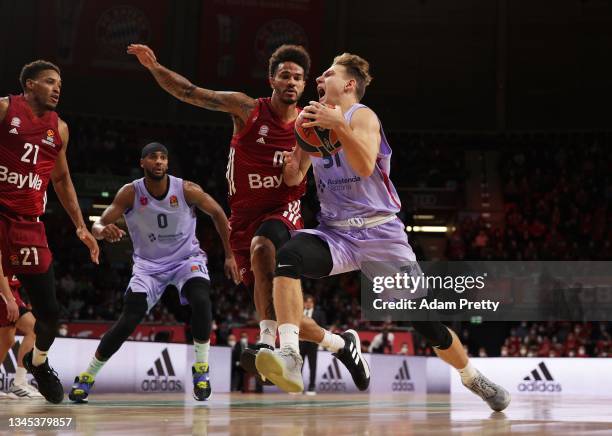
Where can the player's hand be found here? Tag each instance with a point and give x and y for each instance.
(291, 161)
(321, 115)
(145, 55)
(91, 243)
(231, 269)
(112, 233)
(12, 310)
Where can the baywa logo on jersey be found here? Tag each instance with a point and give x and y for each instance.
(162, 377)
(539, 380)
(402, 381)
(332, 379)
(173, 201)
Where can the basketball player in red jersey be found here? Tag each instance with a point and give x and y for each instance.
(15, 315)
(263, 208)
(33, 142)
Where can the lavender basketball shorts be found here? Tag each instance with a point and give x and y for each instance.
(154, 284)
(350, 248)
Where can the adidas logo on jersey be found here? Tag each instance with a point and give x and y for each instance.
(539, 380)
(332, 379)
(162, 377)
(402, 379)
(14, 131)
(261, 140)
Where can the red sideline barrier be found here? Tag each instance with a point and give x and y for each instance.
(144, 332)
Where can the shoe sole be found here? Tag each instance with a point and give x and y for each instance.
(358, 347)
(247, 362)
(271, 366)
(203, 399)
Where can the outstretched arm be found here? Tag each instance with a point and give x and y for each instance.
(196, 196)
(237, 104)
(104, 227)
(62, 183)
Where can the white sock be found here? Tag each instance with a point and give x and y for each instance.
(94, 366)
(332, 341)
(20, 376)
(267, 332)
(39, 357)
(468, 374)
(289, 336)
(201, 351)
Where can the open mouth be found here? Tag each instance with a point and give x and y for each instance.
(55, 98)
(321, 92)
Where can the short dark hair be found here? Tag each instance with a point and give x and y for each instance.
(290, 53)
(309, 296)
(31, 70)
(358, 68)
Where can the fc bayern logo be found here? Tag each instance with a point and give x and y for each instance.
(276, 33)
(120, 26)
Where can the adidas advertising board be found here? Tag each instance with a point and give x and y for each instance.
(397, 374)
(156, 367)
(540, 376)
(138, 366)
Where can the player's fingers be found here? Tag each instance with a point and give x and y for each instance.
(312, 124)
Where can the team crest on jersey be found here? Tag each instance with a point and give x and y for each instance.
(14, 260)
(15, 122)
(173, 201)
(144, 201)
(263, 130)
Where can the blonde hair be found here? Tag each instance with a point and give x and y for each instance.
(358, 68)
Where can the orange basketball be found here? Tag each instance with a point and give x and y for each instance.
(316, 141)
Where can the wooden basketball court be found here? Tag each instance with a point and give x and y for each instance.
(321, 415)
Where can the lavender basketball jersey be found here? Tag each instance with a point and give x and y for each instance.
(343, 194)
(162, 231)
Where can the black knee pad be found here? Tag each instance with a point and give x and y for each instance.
(435, 332)
(135, 304)
(288, 262)
(197, 293)
(274, 230)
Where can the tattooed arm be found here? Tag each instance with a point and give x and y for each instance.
(237, 104)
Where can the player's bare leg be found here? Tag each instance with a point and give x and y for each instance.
(21, 389)
(495, 396)
(263, 258)
(284, 368)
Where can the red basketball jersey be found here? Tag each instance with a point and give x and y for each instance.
(29, 146)
(255, 165)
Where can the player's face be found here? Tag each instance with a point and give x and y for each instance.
(288, 82)
(332, 84)
(155, 165)
(46, 88)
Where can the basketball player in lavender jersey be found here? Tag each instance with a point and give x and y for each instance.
(358, 223)
(33, 143)
(264, 209)
(159, 210)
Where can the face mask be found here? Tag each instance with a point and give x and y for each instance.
(231, 343)
(63, 332)
(244, 341)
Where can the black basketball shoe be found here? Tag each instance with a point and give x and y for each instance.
(247, 361)
(46, 378)
(351, 357)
